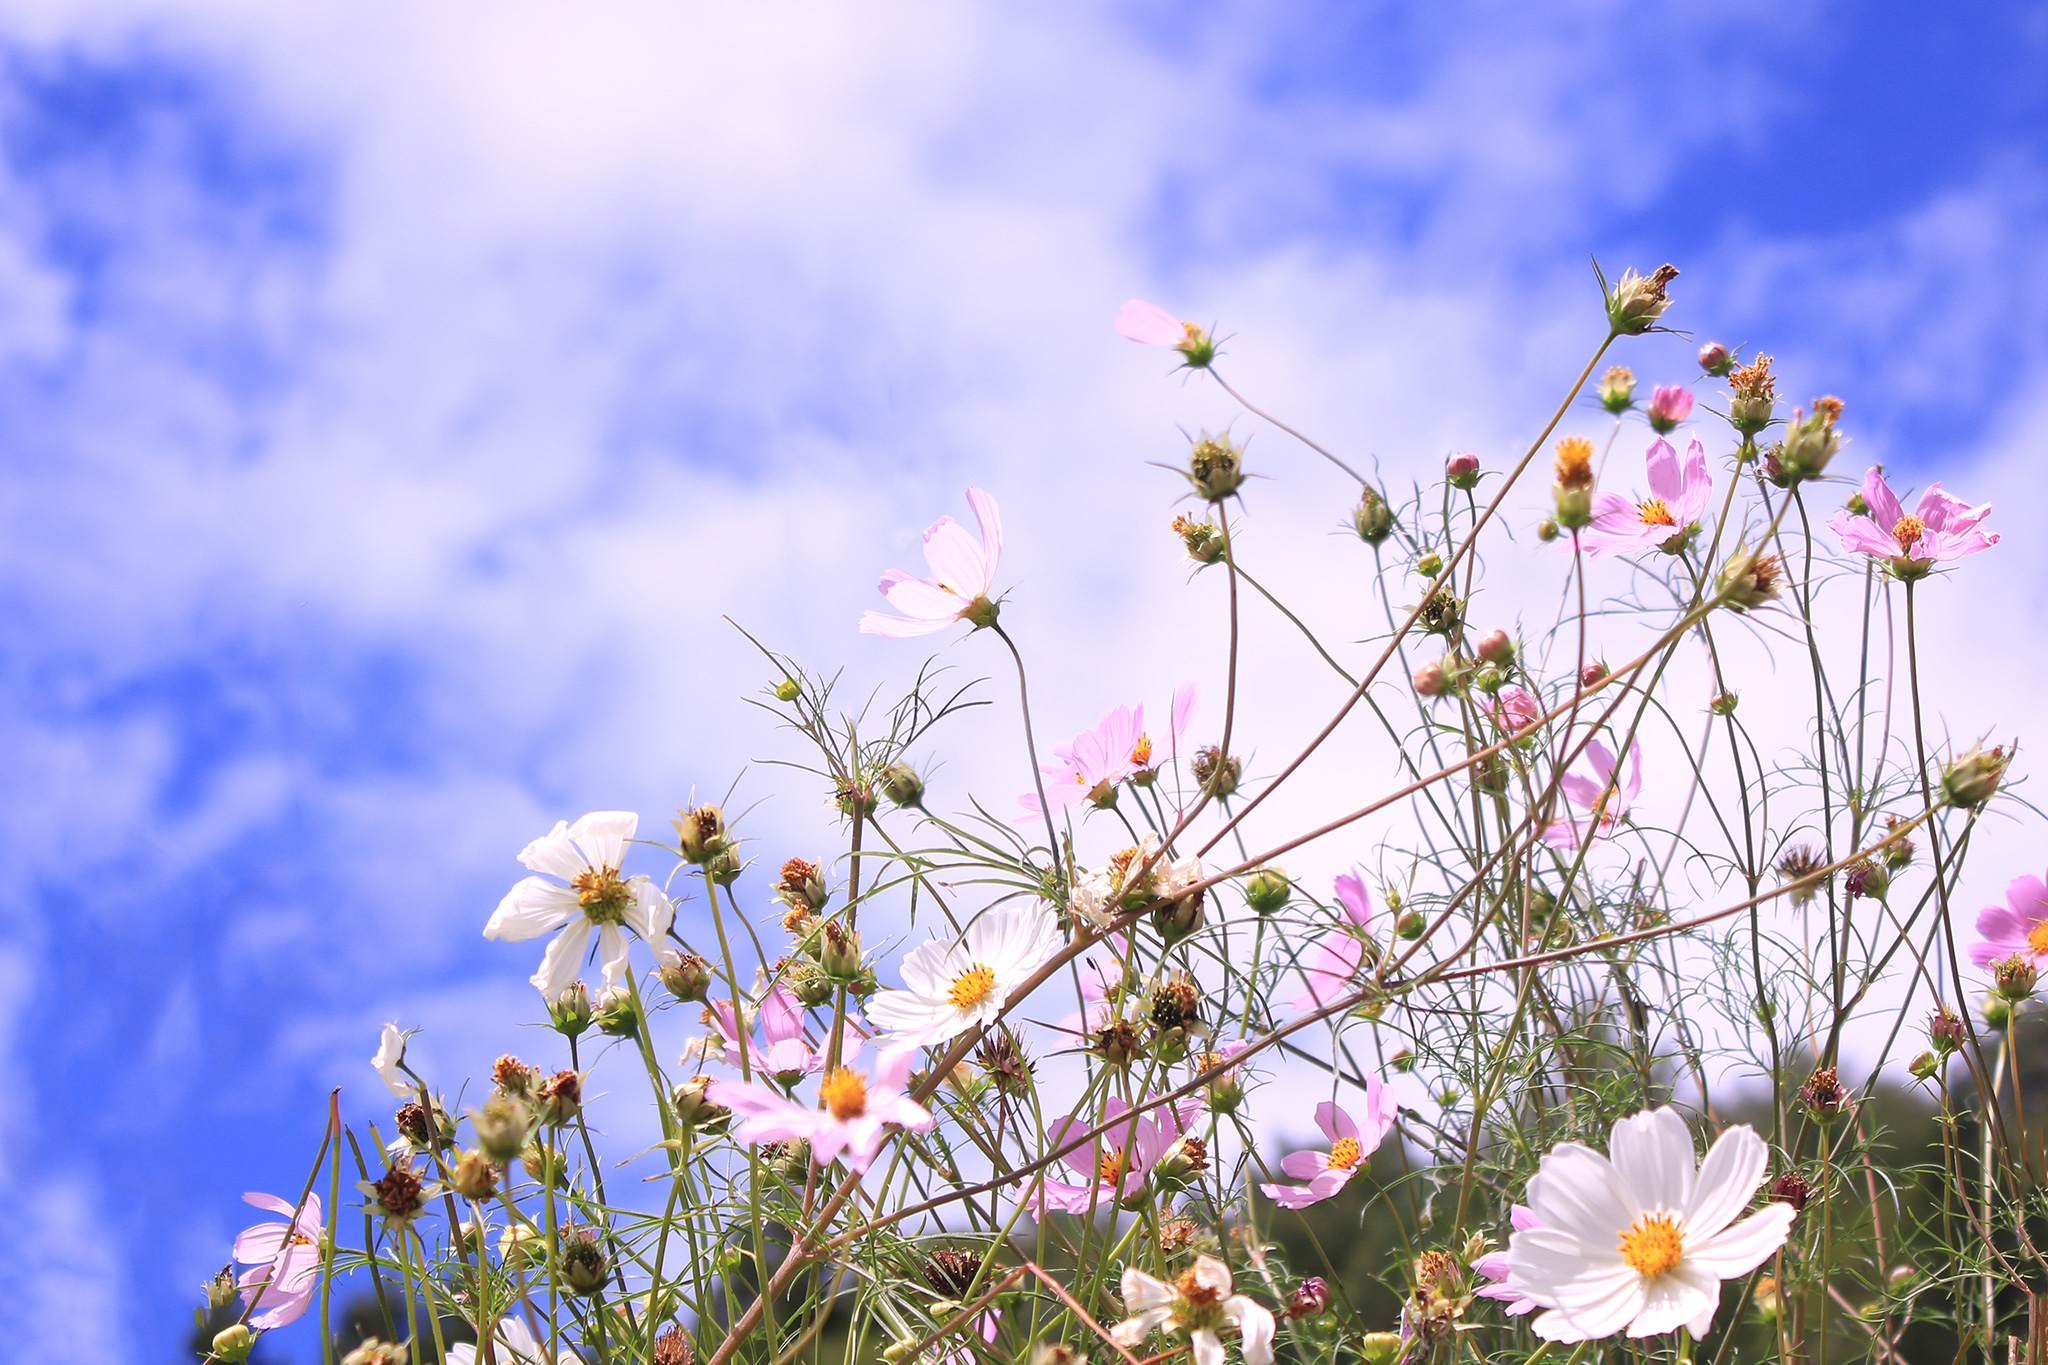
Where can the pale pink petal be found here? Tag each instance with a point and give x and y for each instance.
(899, 628)
(956, 561)
(1334, 1122)
(1149, 324)
(989, 518)
(1661, 463)
(1877, 495)
(1351, 894)
(919, 600)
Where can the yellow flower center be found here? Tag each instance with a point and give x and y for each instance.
(1141, 752)
(1194, 1294)
(300, 1239)
(603, 896)
(1601, 816)
(1344, 1154)
(1908, 532)
(1652, 1245)
(845, 1093)
(971, 987)
(2037, 937)
(1110, 1169)
(1654, 512)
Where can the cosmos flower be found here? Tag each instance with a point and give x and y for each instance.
(1330, 1171)
(1641, 1241)
(781, 1049)
(1150, 325)
(962, 575)
(1116, 750)
(1494, 1266)
(587, 856)
(516, 1345)
(859, 1107)
(391, 1052)
(1114, 1166)
(1196, 1305)
(1099, 897)
(1515, 709)
(1334, 973)
(1605, 803)
(1670, 404)
(952, 987)
(2019, 928)
(1678, 498)
(286, 1257)
(1941, 527)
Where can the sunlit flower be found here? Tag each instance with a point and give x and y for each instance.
(286, 1257)
(1941, 527)
(962, 575)
(859, 1106)
(1670, 404)
(950, 987)
(1123, 883)
(516, 1344)
(1515, 709)
(1640, 1242)
(1350, 1144)
(2019, 928)
(1494, 1266)
(1606, 804)
(1112, 1168)
(1118, 749)
(781, 1050)
(1196, 1305)
(391, 1052)
(1150, 325)
(1351, 894)
(1678, 498)
(587, 856)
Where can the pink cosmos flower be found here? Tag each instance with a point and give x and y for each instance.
(1350, 1144)
(1941, 527)
(1334, 972)
(782, 1050)
(2017, 928)
(287, 1260)
(1151, 325)
(859, 1107)
(1351, 894)
(1678, 498)
(1514, 709)
(1117, 749)
(1494, 1266)
(1606, 804)
(962, 574)
(1670, 404)
(1115, 1165)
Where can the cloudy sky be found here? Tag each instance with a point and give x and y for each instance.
(396, 399)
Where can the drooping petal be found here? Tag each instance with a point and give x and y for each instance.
(989, 517)
(1205, 1347)
(651, 912)
(531, 908)
(554, 853)
(1351, 894)
(1255, 1324)
(611, 954)
(1142, 1293)
(563, 959)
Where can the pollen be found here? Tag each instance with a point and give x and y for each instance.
(1908, 532)
(603, 896)
(1601, 814)
(845, 1093)
(1344, 1154)
(1141, 752)
(1110, 1169)
(1655, 512)
(1652, 1245)
(971, 987)
(2037, 937)
(1575, 462)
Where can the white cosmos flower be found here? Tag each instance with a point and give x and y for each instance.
(1196, 1304)
(951, 987)
(390, 1052)
(516, 1346)
(587, 856)
(1640, 1240)
(1099, 897)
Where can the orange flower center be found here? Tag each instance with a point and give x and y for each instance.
(1601, 815)
(1652, 1244)
(1141, 752)
(1654, 512)
(1194, 1294)
(971, 987)
(602, 895)
(1344, 1154)
(1110, 1169)
(1908, 532)
(300, 1239)
(2037, 937)
(845, 1093)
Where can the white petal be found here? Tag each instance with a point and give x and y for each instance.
(1576, 1190)
(930, 967)
(914, 1018)
(530, 909)
(554, 853)
(1257, 1325)
(1207, 1347)
(1742, 1248)
(1601, 1307)
(1652, 1152)
(1674, 1299)
(611, 954)
(1143, 1293)
(564, 957)
(651, 913)
(1212, 1274)
(602, 835)
(1728, 1177)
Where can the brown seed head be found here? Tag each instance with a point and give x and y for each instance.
(673, 1348)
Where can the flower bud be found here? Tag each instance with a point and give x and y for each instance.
(1309, 1298)
(1497, 647)
(220, 1290)
(1215, 772)
(1753, 393)
(1546, 530)
(1462, 469)
(700, 833)
(1826, 1098)
(692, 1104)
(1203, 540)
(1410, 926)
(1226, 1090)
(724, 867)
(1866, 880)
(1379, 1348)
(1636, 301)
(234, 1342)
(1945, 1030)
(570, 1011)
(1593, 674)
(1215, 466)
(1749, 579)
(501, 1127)
(1997, 1011)
(1431, 681)
(1924, 1067)
(787, 690)
(2013, 978)
(1176, 919)
(807, 982)
(1810, 442)
(616, 1016)
(1617, 389)
(1267, 890)
(1489, 680)
(1372, 518)
(1897, 854)
(902, 785)
(1723, 703)
(1402, 1060)
(1716, 359)
(686, 976)
(474, 1176)
(545, 1163)
(1669, 405)
(1791, 1188)
(1429, 564)
(1572, 492)
(583, 1262)
(1973, 779)
(1183, 1161)
(1490, 775)
(1856, 506)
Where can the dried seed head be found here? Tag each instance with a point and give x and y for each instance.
(1177, 1235)
(399, 1194)
(514, 1077)
(685, 976)
(1796, 864)
(1203, 540)
(1827, 1099)
(950, 1271)
(1116, 1043)
(1749, 579)
(1753, 393)
(1215, 466)
(1005, 1063)
(561, 1097)
(1791, 1188)
(1216, 773)
(2013, 978)
(673, 1348)
(701, 833)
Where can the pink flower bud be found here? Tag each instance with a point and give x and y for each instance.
(1462, 469)
(1592, 674)
(1715, 359)
(1496, 648)
(1669, 405)
(1430, 679)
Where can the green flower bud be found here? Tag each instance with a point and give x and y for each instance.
(1429, 564)
(234, 1342)
(1267, 890)
(788, 690)
(570, 1011)
(902, 785)
(1974, 778)
(1372, 518)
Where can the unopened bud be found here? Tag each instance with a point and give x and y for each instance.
(1215, 466)
(1379, 1348)
(474, 1176)
(373, 1351)
(1490, 775)
(1431, 680)
(1810, 442)
(1924, 1067)
(1429, 564)
(1402, 1060)
(615, 1015)
(1546, 530)
(545, 1163)
(1791, 1188)
(692, 1104)
(1945, 1030)
(1856, 506)
(1372, 518)
(787, 690)
(501, 1127)
(1462, 469)
(1593, 674)
(902, 785)
(1309, 1298)
(1723, 703)
(1973, 779)
(234, 1342)
(570, 1011)
(1669, 405)
(1997, 1011)
(1617, 389)
(1716, 359)
(1410, 926)
(1497, 647)
(701, 833)
(1267, 890)
(686, 976)
(2013, 978)
(1184, 1160)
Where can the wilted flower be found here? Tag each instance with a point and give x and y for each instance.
(1940, 528)
(1666, 519)
(1636, 301)
(1753, 392)
(390, 1056)
(1350, 1144)
(596, 900)
(286, 1257)
(1796, 864)
(951, 987)
(1151, 325)
(1792, 1188)
(1196, 1305)
(1604, 799)
(1670, 404)
(1215, 466)
(1642, 1242)
(1749, 579)
(1309, 1298)
(1203, 540)
(2013, 977)
(1573, 490)
(1866, 880)
(1824, 1095)
(1617, 389)
(963, 574)
(859, 1106)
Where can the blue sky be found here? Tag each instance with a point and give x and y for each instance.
(394, 401)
